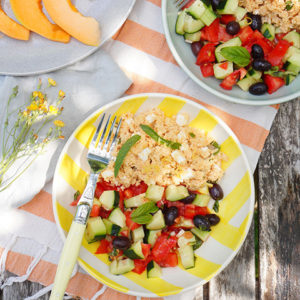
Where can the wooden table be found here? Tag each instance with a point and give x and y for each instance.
(268, 265)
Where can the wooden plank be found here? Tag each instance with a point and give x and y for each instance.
(279, 207)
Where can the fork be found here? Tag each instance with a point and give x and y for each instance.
(98, 158)
(181, 3)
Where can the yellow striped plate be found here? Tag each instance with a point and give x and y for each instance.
(235, 209)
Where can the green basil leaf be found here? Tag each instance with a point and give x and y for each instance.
(217, 146)
(146, 208)
(236, 54)
(123, 152)
(192, 134)
(148, 130)
(144, 219)
(289, 5)
(216, 206)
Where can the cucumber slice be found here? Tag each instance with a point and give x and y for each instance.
(135, 201)
(233, 42)
(197, 9)
(268, 31)
(95, 230)
(157, 222)
(293, 37)
(111, 228)
(254, 74)
(243, 23)
(289, 78)
(201, 200)
(227, 7)
(135, 251)
(240, 13)
(289, 66)
(201, 234)
(204, 190)
(221, 73)
(246, 82)
(175, 193)
(292, 50)
(117, 217)
(192, 25)
(208, 17)
(109, 199)
(192, 37)
(182, 241)
(185, 223)
(187, 256)
(138, 234)
(155, 192)
(151, 236)
(294, 63)
(118, 267)
(153, 270)
(179, 27)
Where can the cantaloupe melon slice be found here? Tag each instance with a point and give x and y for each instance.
(65, 14)
(30, 14)
(11, 28)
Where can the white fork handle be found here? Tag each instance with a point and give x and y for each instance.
(67, 260)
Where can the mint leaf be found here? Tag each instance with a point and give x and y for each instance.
(216, 206)
(142, 214)
(148, 130)
(236, 54)
(123, 152)
(144, 219)
(217, 146)
(192, 134)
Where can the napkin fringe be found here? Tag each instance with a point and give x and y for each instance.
(99, 293)
(40, 293)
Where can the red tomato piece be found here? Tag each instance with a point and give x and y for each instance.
(201, 210)
(230, 80)
(245, 34)
(138, 189)
(257, 35)
(207, 69)
(104, 213)
(276, 55)
(280, 36)
(141, 264)
(273, 83)
(224, 65)
(95, 211)
(162, 246)
(171, 260)
(225, 19)
(146, 249)
(212, 31)
(125, 233)
(243, 73)
(266, 44)
(189, 211)
(188, 4)
(128, 193)
(206, 54)
(104, 247)
(74, 203)
(129, 223)
(223, 36)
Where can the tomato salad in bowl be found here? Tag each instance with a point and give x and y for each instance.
(158, 199)
(237, 47)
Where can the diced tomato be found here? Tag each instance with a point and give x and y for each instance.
(129, 223)
(206, 54)
(224, 65)
(121, 199)
(188, 4)
(276, 55)
(266, 44)
(128, 193)
(223, 36)
(201, 210)
(171, 260)
(162, 246)
(179, 205)
(103, 213)
(273, 83)
(104, 247)
(230, 80)
(257, 35)
(207, 69)
(189, 211)
(280, 36)
(243, 73)
(74, 203)
(138, 189)
(141, 264)
(95, 211)
(225, 19)
(146, 249)
(245, 34)
(125, 233)
(103, 186)
(212, 31)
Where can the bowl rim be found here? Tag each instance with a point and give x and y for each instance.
(202, 83)
(222, 124)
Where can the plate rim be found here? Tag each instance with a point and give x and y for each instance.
(205, 86)
(222, 124)
(88, 53)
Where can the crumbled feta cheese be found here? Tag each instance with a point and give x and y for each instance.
(107, 173)
(172, 233)
(178, 157)
(143, 155)
(205, 152)
(183, 147)
(180, 233)
(128, 121)
(150, 118)
(187, 174)
(182, 119)
(217, 168)
(176, 180)
(181, 135)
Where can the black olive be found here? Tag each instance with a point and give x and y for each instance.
(258, 88)
(256, 21)
(233, 27)
(121, 242)
(216, 192)
(261, 64)
(215, 4)
(257, 51)
(170, 214)
(201, 222)
(196, 47)
(189, 199)
(213, 219)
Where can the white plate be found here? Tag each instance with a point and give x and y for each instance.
(40, 55)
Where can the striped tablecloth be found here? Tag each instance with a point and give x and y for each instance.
(141, 50)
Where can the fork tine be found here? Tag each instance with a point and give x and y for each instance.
(181, 3)
(110, 133)
(104, 131)
(115, 137)
(97, 131)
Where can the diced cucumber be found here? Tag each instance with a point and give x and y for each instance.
(176, 192)
(135, 251)
(201, 200)
(151, 236)
(240, 13)
(208, 17)
(289, 78)
(221, 73)
(110, 199)
(293, 63)
(268, 31)
(118, 267)
(187, 256)
(185, 223)
(157, 222)
(201, 234)
(192, 25)
(179, 27)
(117, 217)
(292, 50)
(155, 192)
(138, 234)
(95, 230)
(182, 241)
(204, 190)
(135, 201)
(246, 82)
(192, 37)
(243, 23)
(153, 270)
(227, 7)
(233, 42)
(254, 74)
(293, 37)
(197, 9)
(111, 228)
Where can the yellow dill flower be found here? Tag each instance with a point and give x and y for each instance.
(25, 113)
(35, 94)
(32, 106)
(53, 109)
(51, 82)
(43, 108)
(61, 93)
(59, 123)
